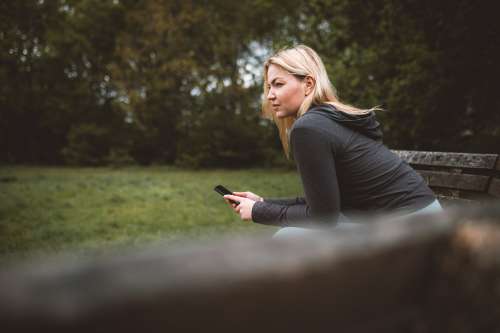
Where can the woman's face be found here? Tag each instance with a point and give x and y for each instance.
(286, 92)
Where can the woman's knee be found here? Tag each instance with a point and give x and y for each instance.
(292, 232)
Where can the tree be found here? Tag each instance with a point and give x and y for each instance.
(173, 81)
(54, 58)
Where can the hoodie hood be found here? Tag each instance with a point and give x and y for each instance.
(365, 124)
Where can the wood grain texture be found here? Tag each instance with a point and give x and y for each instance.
(446, 159)
(455, 181)
(494, 188)
(450, 201)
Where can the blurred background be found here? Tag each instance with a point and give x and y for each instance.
(87, 82)
(92, 91)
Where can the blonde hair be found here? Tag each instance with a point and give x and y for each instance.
(302, 61)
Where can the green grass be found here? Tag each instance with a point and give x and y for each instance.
(49, 210)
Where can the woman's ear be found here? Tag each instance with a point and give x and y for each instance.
(309, 84)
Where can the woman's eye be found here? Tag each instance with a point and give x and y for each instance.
(278, 84)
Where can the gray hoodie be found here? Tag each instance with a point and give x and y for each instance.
(344, 167)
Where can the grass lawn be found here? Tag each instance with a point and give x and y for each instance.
(45, 210)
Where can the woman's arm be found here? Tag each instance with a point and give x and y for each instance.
(286, 201)
(279, 201)
(314, 157)
(264, 212)
(270, 211)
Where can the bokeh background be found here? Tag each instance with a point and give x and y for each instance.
(118, 117)
(87, 82)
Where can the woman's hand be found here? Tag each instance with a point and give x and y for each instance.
(244, 208)
(249, 195)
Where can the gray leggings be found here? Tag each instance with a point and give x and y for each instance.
(343, 224)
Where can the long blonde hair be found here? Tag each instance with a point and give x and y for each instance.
(302, 61)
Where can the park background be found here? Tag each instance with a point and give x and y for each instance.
(117, 118)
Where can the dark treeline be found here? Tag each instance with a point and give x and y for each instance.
(95, 82)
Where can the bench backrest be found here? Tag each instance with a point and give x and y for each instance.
(457, 177)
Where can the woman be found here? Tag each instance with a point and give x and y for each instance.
(344, 167)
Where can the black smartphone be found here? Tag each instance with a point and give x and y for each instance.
(223, 191)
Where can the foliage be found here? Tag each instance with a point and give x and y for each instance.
(87, 145)
(178, 81)
(54, 57)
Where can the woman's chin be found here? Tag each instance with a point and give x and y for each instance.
(281, 114)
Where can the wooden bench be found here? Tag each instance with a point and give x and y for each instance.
(457, 178)
(437, 273)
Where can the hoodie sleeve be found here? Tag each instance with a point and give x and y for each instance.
(314, 156)
(264, 212)
(286, 201)
(280, 211)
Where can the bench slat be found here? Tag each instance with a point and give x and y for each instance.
(447, 201)
(495, 187)
(455, 181)
(444, 159)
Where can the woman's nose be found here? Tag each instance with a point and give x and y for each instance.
(270, 95)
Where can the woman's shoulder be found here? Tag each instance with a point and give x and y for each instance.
(310, 119)
(316, 121)
(308, 124)
(313, 128)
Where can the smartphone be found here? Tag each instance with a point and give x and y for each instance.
(223, 191)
